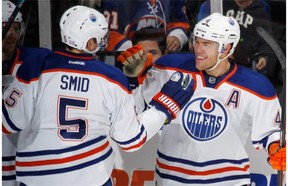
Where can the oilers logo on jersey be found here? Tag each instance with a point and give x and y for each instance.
(204, 119)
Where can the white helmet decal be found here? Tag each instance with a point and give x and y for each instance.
(7, 10)
(78, 24)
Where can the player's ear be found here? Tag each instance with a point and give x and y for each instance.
(225, 51)
(91, 44)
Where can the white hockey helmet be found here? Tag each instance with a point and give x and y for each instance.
(78, 24)
(221, 29)
(7, 10)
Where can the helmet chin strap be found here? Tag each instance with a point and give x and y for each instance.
(218, 62)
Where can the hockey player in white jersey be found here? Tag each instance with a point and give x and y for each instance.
(205, 145)
(67, 103)
(13, 55)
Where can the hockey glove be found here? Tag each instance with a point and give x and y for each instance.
(136, 64)
(277, 156)
(174, 95)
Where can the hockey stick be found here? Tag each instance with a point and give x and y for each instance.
(25, 23)
(282, 59)
(12, 18)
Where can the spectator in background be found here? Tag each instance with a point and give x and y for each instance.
(152, 40)
(252, 51)
(127, 17)
(13, 56)
(193, 7)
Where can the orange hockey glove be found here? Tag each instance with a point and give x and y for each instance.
(277, 156)
(136, 63)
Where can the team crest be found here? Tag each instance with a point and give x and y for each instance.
(204, 119)
(231, 21)
(92, 17)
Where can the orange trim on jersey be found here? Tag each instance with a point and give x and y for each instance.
(185, 26)
(221, 82)
(27, 82)
(73, 56)
(88, 73)
(235, 85)
(8, 168)
(252, 92)
(202, 79)
(63, 160)
(75, 71)
(135, 146)
(4, 130)
(114, 39)
(15, 61)
(202, 173)
(227, 77)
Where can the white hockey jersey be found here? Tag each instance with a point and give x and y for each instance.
(9, 143)
(205, 143)
(68, 105)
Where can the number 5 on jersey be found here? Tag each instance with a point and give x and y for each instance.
(71, 129)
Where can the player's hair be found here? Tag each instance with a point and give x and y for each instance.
(151, 33)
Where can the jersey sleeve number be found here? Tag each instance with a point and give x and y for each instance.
(13, 97)
(71, 128)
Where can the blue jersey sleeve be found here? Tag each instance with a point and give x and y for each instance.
(253, 81)
(183, 62)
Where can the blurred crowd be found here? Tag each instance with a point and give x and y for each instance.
(176, 19)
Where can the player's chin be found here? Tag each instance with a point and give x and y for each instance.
(200, 64)
(10, 42)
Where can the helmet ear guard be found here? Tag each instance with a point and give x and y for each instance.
(78, 24)
(221, 29)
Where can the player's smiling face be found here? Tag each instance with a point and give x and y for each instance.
(206, 52)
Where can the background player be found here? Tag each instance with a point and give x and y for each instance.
(68, 103)
(205, 144)
(152, 40)
(13, 56)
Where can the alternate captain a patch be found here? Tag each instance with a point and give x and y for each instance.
(204, 119)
